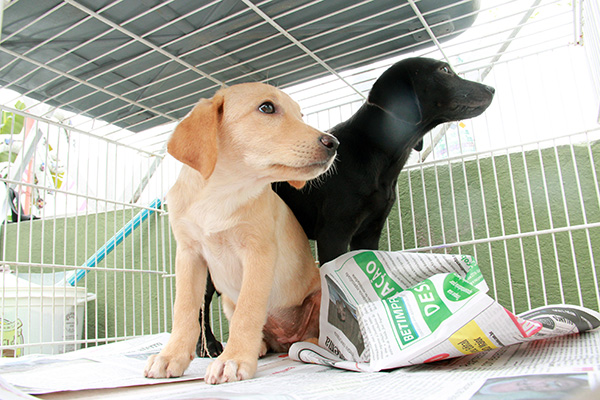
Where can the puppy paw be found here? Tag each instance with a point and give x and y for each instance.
(212, 349)
(166, 366)
(263, 349)
(229, 370)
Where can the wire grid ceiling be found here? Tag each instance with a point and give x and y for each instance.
(138, 69)
(136, 72)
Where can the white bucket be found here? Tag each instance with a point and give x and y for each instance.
(46, 319)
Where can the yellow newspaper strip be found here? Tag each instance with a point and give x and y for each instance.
(471, 339)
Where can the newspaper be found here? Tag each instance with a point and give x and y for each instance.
(114, 365)
(443, 312)
(382, 310)
(9, 392)
(556, 368)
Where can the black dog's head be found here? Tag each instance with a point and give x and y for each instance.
(426, 92)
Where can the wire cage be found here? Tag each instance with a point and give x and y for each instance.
(90, 91)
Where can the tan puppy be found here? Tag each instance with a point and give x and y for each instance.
(225, 216)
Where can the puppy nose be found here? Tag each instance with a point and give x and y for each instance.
(490, 89)
(330, 142)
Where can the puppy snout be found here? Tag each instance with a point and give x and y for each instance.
(330, 142)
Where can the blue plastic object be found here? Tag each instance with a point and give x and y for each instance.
(113, 242)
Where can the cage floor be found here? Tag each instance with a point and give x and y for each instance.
(551, 362)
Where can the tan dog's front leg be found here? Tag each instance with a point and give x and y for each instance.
(190, 279)
(239, 358)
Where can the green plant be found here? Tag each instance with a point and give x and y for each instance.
(11, 123)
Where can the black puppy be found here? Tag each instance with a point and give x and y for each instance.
(348, 207)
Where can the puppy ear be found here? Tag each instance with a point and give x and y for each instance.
(297, 184)
(393, 92)
(194, 141)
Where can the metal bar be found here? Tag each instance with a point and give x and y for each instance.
(501, 149)
(56, 266)
(493, 239)
(485, 73)
(429, 31)
(143, 41)
(25, 156)
(86, 196)
(305, 49)
(511, 37)
(109, 246)
(74, 78)
(142, 185)
(72, 129)
(55, 8)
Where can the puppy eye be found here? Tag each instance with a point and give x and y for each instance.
(446, 69)
(267, 108)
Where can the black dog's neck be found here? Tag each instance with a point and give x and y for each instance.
(374, 129)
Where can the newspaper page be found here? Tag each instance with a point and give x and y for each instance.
(557, 368)
(9, 392)
(113, 365)
(382, 310)
(564, 365)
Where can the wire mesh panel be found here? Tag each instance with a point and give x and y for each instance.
(518, 186)
(69, 210)
(89, 92)
(591, 17)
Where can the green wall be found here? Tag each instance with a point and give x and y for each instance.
(134, 284)
(458, 197)
(128, 302)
